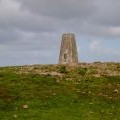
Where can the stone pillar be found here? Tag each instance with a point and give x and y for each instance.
(68, 52)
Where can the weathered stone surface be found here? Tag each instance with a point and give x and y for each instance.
(68, 52)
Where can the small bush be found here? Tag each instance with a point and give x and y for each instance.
(82, 71)
(1, 74)
(62, 69)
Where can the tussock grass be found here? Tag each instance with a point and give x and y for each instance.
(76, 95)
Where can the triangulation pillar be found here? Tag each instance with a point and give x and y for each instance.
(68, 52)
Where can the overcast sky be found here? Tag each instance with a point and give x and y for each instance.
(31, 30)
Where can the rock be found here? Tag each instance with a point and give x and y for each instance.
(58, 81)
(24, 106)
(15, 116)
(54, 94)
(116, 91)
(96, 75)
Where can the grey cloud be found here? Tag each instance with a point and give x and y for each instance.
(13, 17)
(29, 42)
(99, 11)
(60, 8)
(27, 22)
(8, 36)
(86, 17)
(107, 12)
(89, 17)
(32, 28)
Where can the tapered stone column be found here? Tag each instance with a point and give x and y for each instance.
(68, 51)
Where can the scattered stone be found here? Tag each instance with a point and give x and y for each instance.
(54, 94)
(15, 116)
(91, 103)
(100, 94)
(24, 106)
(76, 83)
(78, 91)
(96, 75)
(105, 95)
(110, 113)
(58, 81)
(89, 92)
(116, 91)
(79, 80)
(51, 73)
(91, 112)
(83, 92)
(110, 97)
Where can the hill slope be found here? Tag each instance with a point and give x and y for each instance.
(53, 92)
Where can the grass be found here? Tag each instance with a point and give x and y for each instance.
(73, 96)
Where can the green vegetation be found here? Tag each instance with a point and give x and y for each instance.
(62, 69)
(26, 94)
(82, 71)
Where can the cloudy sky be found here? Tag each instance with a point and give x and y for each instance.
(31, 30)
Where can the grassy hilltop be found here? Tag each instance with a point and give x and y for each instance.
(54, 92)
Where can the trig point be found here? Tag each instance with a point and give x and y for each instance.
(68, 51)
